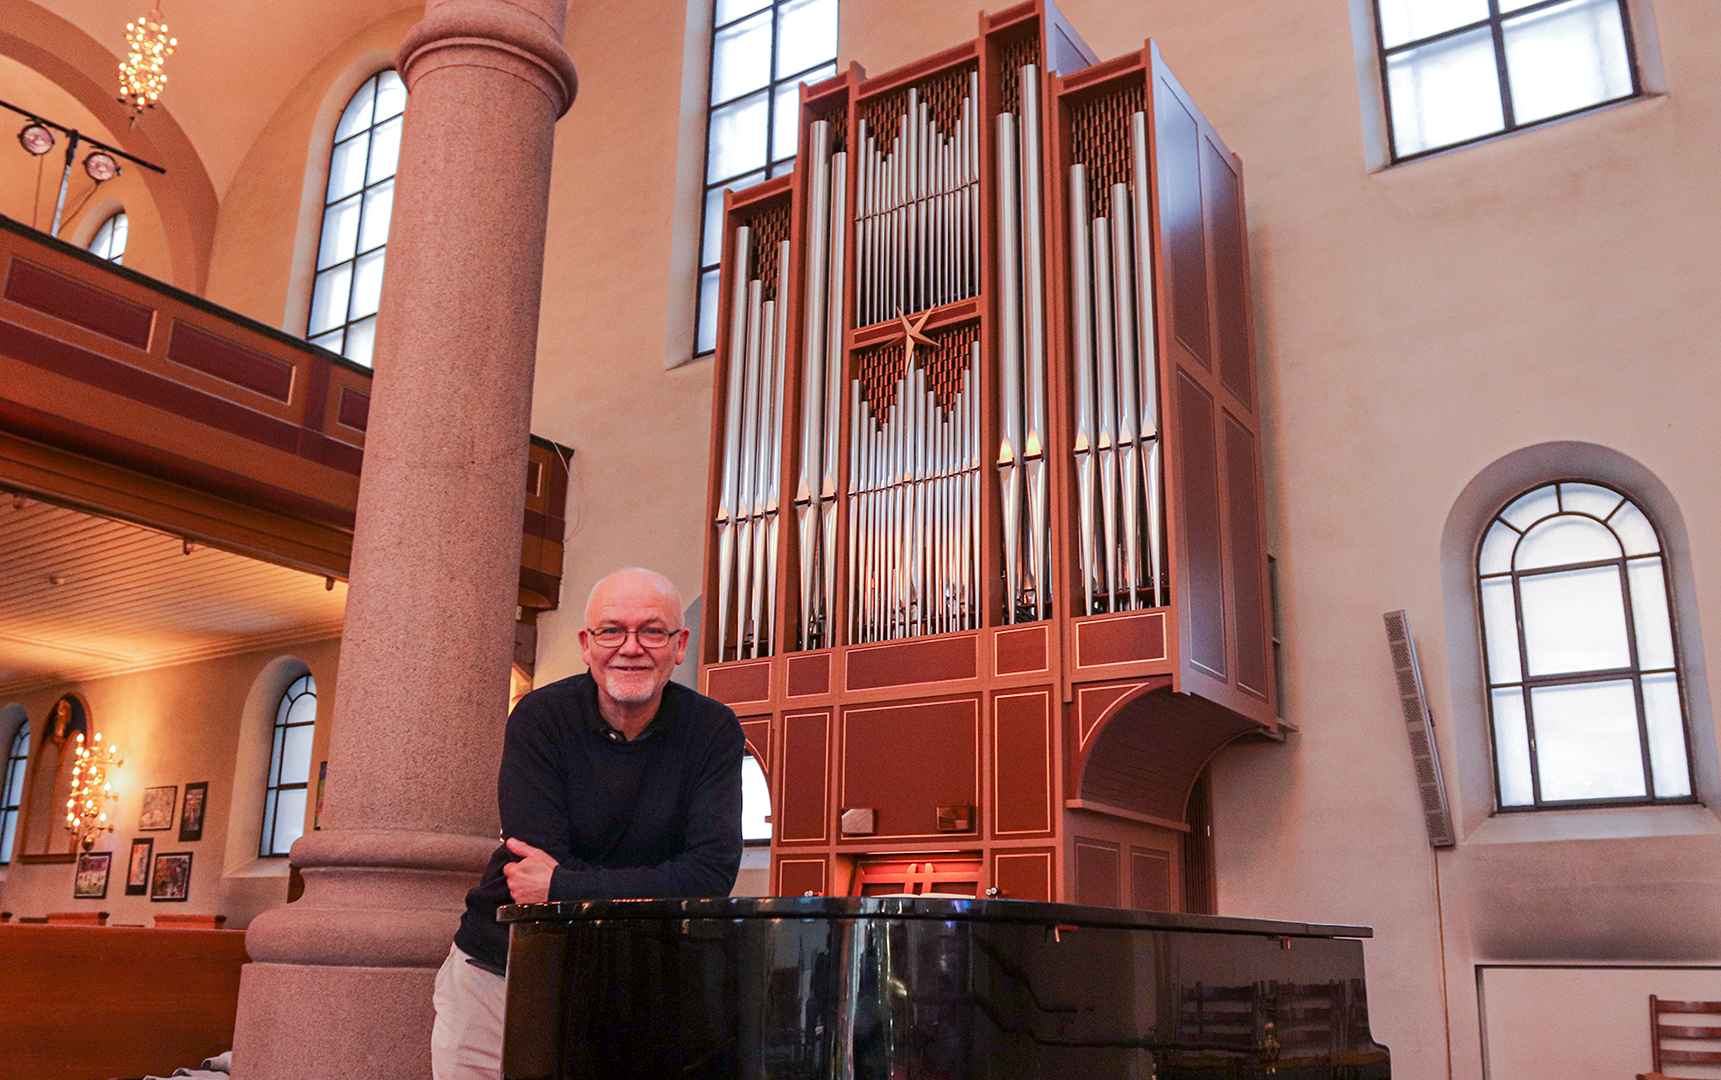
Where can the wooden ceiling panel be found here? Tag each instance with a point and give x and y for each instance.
(83, 597)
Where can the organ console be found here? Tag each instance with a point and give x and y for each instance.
(985, 478)
(928, 988)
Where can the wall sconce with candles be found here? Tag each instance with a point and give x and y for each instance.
(86, 810)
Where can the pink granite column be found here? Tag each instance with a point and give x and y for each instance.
(340, 982)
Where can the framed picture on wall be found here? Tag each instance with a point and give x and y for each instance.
(157, 813)
(172, 879)
(191, 813)
(91, 882)
(137, 867)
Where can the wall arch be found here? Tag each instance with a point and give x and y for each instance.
(90, 219)
(185, 196)
(1475, 506)
(251, 767)
(1175, 735)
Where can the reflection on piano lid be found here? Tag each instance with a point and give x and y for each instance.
(929, 988)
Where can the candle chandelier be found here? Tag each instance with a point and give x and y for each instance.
(142, 77)
(86, 810)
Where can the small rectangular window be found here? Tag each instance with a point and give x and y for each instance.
(1457, 71)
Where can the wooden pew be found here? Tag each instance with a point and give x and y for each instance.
(87, 1002)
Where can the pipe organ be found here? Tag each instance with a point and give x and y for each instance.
(986, 572)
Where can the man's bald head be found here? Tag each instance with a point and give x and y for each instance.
(635, 583)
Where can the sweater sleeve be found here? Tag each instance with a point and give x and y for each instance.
(531, 793)
(711, 854)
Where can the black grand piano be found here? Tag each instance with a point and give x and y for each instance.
(928, 988)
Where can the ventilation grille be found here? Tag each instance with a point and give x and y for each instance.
(1436, 811)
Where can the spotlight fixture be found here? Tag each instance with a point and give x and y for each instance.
(141, 76)
(100, 165)
(36, 138)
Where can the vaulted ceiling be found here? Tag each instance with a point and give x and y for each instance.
(84, 597)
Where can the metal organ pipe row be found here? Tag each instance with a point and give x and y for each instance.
(816, 487)
(1022, 360)
(918, 211)
(915, 512)
(1120, 528)
(746, 519)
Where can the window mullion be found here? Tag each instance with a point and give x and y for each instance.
(1508, 116)
(1385, 84)
(1524, 692)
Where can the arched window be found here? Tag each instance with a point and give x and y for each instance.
(289, 768)
(109, 241)
(13, 789)
(755, 801)
(1582, 666)
(356, 207)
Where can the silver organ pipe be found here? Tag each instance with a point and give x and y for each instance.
(815, 487)
(917, 193)
(1022, 360)
(1120, 527)
(748, 504)
(914, 525)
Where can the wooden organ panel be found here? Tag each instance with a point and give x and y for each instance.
(985, 478)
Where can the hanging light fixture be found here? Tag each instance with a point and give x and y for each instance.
(141, 75)
(86, 810)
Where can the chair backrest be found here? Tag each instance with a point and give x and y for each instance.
(1678, 1030)
(78, 918)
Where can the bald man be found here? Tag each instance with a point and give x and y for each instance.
(615, 783)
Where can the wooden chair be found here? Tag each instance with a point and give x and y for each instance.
(1684, 1037)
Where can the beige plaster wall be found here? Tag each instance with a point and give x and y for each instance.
(174, 726)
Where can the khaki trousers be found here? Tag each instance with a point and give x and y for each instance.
(466, 1043)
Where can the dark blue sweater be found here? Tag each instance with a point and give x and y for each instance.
(659, 816)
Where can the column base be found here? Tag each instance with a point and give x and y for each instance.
(299, 1022)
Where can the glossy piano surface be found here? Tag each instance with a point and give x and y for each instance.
(928, 988)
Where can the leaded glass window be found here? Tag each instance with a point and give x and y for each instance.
(1455, 71)
(1583, 674)
(761, 52)
(289, 768)
(357, 204)
(109, 241)
(13, 790)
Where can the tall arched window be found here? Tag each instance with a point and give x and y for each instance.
(13, 789)
(761, 52)
(1582, 665)
(289, 768)
(109, 241)
(755, 801)
(356, 207)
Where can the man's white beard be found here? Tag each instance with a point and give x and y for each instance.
(630, 690)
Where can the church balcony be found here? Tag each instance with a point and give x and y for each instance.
(128, 398)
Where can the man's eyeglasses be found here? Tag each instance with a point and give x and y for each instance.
(650, 637)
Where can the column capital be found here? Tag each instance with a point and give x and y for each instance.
(498, 34)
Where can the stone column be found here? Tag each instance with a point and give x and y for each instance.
(340, 981)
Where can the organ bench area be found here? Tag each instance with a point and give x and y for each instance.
(986, 579)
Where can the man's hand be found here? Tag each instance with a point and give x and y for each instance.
(529, 879)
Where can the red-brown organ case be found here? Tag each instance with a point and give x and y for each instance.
(986, 569)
